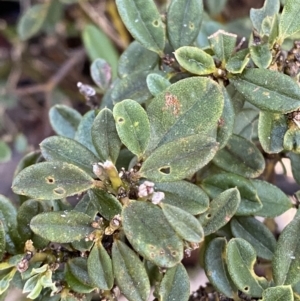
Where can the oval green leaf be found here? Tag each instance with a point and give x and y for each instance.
(184, 195)
(286, 260)
(67, 150)
(51, 180)
(136, 58)
(240, 259)
(5, 152)
(238, 61)
(151, 235)
(261, 55)
(291, 140)
(195, 60)
(101, 73)
(105, 137)
(268, 90)
(271, 130)
(132, 125)
(216, 184)
(274, 201)
(175, 285)
(99, 266)
(62, 226)
(278, 293)
(143, 21)
(64, 120)
(256, 233)
(220, 211)
(190, 106)
(240, 156)
(185, 225)
(168, 163)
(130, 273)
(216, 267)
(184, 21)
(157, 83)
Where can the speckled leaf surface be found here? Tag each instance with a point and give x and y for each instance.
(132, 125)
(62, 149)
(101, 73)
(238, 61)
(184, 21)
(157, 83)
(215, 184)
(184, 195)
(240, 156)
(143, 21)
(268, 90)
(240, 259)
(286, 260)
(278, 293)
(216, 267)
(261, 55)
(220, 211)
(188, 107)
(64, 120)
(151, 235)
(130, 273)
(175, 285)
(105, 137)
(62, 226)
(51, 180)
(291, 139)
(195, 60)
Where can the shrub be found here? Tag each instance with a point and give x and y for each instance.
(173, 160)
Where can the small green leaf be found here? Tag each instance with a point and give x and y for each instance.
(215, 7)
(223, 44)
(98, 45)
(286, 260)
(295, 160)
(240, 156)
(190, 106)
(278, 293)
(5, 152)
(175, 285)
(238, 61)
(157, 83)
(257, 15)
(136, 58)
(5, 280)
(51, 180)
(274, 201)
(2, 240)
(184, 195)
(64, 120)
(216, 267)
(289, 24)
(195, 60)
(256, 233)
(168, 163)
(226, 122)
(26, 212)
(32, 21)
(240, 259)
(151, 235)
(143, 21)
(268, 90)
(132, 125)
(261, 55)
(83, 134)
(183, 22)
(130, 273)
(105, 137)
(133, 86)
(291, 140)
(8, 217)
(62, 226)
(67, 150)
(185, 225)
(101, 73)
(271, 130)
(99, 267)
(220, 211)
(106, 204)
(77, 276)
(215, 184)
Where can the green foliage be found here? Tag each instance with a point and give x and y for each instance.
(179, 155)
